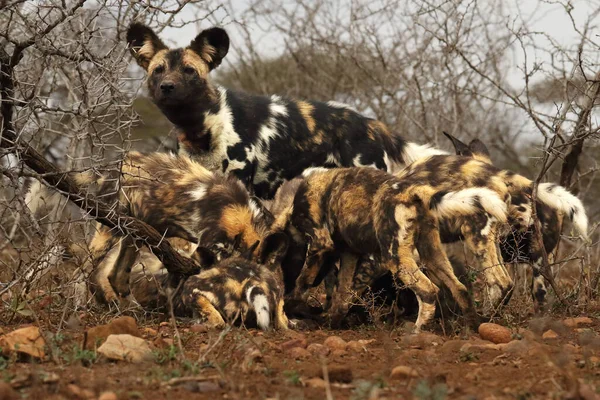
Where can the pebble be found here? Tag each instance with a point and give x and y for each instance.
(403, 372)
(335, 343)
(108, 396)
(495, 333)
(317, 349)
(550, 335)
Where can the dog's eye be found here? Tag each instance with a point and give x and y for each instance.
(159, 70)
(189, 70)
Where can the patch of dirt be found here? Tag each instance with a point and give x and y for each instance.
(244, 364)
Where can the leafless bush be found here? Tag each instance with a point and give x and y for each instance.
(473, 68)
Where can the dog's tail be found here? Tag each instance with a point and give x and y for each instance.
(257, 299)
(468, 202)
(559, 198)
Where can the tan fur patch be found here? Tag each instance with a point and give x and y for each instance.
(306, 110)
(192, 59)
(377, 126)
(155, 60)
(237, 219)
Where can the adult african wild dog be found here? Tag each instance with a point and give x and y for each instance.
(225, 292)
(478, 225)
(179, 198)
(520, 244)
(350, 212)
(262, 140)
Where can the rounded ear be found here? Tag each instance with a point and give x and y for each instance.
(211, 45)
(478, 147)
(205, 257)
(143, 43)
(460, 148)
(273, 249)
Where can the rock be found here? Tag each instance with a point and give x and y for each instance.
(339, 353)
(126, 348)
(97, 335)
(317, 383)
(403, 372)
(199, 328)
(479, 347)
(298, 353)
(290, 344)
(550, 335)
(517, 347)
(335, 343)
(80, 393)
(318, 350)
(7, 392)
(357, 346)
(150, 332)
(337, 374)
(26, 340)
(422, 340)
(495, 333)
(108, 396)
(577, 322)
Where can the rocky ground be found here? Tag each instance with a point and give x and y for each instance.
(545, 358)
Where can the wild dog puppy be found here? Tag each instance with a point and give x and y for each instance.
(262, 140)
(179, 198)
(520, 244)
(353, 212)
(234, 289)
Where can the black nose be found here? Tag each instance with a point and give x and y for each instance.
(167, 87)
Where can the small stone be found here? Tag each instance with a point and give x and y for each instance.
(338, 353)
(495, 333)
(355, 345)
(126, 348)
(7, 392)
(108, 396)
(422, 340)
(335, 343)
(516, 346)
(97, 335)
(337, 374)
(199, 328)
(150, 332)
(577, 322)
(317, 349)
(26, 340)
(80, 393)
(298, 353)
(550, 335)
(403, 372)
(290, 344)
(316, 383)
(50, 377)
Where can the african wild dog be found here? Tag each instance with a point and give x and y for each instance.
(262, 140)
(179, 198)
(487, 216)
(352, 212)
(553, 202)
(226, 291)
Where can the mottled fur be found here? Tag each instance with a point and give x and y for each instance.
(520, 244)
(262, 140)
(230, 290)
(350, 212)
(233, 288)
(179, 198)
